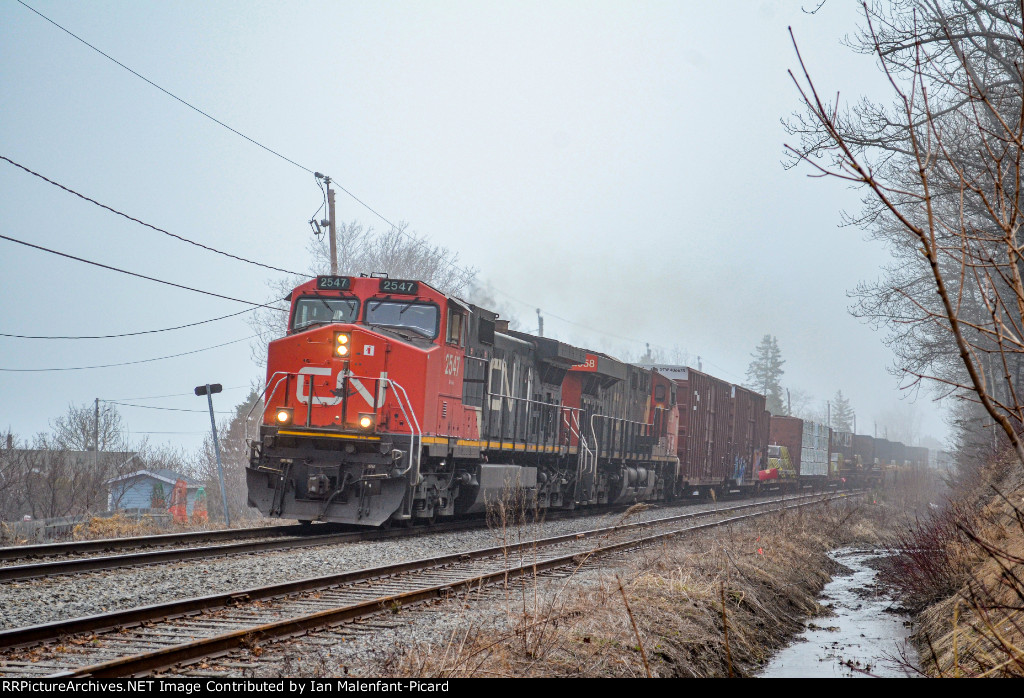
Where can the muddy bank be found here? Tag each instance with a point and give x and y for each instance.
(861, 632)
(717, 604)
(962, 570)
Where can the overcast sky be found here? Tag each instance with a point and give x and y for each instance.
(616, 164)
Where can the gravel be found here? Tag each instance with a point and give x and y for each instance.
(61, 597)
(375, 646)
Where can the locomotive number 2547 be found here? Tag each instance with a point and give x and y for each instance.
(451, 364)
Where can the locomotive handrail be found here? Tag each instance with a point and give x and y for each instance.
(546, 405)
(574, 412)
(414, 422)
(594, 416)
(415, 436)
(284, 376)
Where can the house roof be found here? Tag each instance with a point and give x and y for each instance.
(161, 474)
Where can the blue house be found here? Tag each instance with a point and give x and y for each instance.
(148, 489)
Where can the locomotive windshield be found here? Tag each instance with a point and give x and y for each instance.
(315, 310)
(421, 318)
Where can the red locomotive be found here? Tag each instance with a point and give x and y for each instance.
(388, 401)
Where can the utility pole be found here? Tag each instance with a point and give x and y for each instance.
(208, 390)
(829, 403)
(96, 435)
(789, 404)
(329, 223)
(331, 227)
(540, 324)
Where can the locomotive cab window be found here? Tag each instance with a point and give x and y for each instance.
(419, 318)
(317, 310)
(455, 327)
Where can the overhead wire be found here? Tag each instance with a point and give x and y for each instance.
(160, 397)
(415, 240)
(141, 276)
(166, 92)
(234, 130)
(166, 409)
(126, 334)
(126, 363)
(149, 225)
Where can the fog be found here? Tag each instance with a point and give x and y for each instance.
(617, 165)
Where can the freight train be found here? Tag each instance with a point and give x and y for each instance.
(388, 401)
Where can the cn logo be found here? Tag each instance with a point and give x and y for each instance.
(355, 387)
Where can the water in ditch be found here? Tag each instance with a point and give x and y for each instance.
(866, 636)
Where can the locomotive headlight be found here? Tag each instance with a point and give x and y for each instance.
(366, 421)
(342, 343)
(283, 415)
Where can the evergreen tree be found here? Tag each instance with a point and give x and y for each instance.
(764, 372)
(842, 413)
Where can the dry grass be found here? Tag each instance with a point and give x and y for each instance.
(716, 604)
(977, 628)
(118, 526)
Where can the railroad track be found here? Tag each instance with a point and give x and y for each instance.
(298, 537)
(153, 638)
(276, 538)
(106, 545)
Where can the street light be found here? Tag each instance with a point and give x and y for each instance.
(208, 390)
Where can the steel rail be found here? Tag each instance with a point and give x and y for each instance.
(303, 539)
(16, 637)
(17, 552)
(219, 644)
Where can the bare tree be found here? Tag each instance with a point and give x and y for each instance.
(901, 422)
(940, 168)
(62, 474)
(800, 403)
(76, 429)
(396, 252)
(12, 485)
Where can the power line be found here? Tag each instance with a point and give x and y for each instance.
(166, 92)
(160, 397)
(149, 225)
(233, 130)
(166, 409)
(126, 334)
(141, 276)
(355, 198)
(365, 205)
(127, 363)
